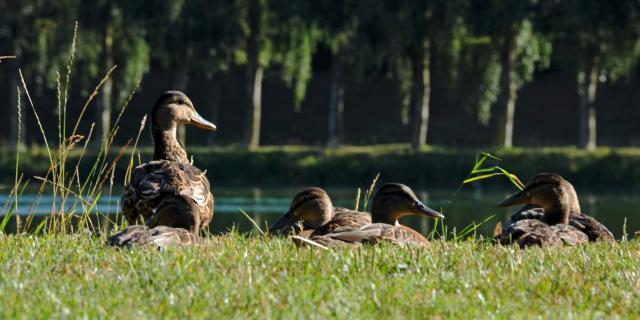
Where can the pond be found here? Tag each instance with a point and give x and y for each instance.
(265, 205)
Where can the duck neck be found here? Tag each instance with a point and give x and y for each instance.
(321, 221)
(557, 214)
(380, 214)
(166, 145)
(573, 199)
(560, 210)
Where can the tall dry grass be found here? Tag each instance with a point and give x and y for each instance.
(75, 193)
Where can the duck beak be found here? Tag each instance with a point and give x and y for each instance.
(287, 220)
(200, 122)
(422, 209)
(518, 198)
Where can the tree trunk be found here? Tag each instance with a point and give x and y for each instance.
(214, 106)
(254, 76)
(103, 112)
(336, 105)
(588, 84)
(506, 105)
(420, 94)
(180, 83)
(16, 123)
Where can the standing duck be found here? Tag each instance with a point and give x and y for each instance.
(312, 213)
(168, 191)
(391, 202)
(551, 215)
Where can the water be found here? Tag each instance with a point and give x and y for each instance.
(267, 205)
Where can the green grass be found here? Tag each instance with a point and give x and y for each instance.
(234, 276)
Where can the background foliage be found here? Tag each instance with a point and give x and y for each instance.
(347, 72)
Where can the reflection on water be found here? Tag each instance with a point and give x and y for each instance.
(266, 205)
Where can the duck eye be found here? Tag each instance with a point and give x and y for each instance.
(180, 101)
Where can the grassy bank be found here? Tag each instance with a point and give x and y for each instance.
(231, 276)
(614, 168)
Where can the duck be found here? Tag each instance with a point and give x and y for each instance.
(312, 213)
(160, 237)
(391, 202)
(551, 215)
(168, 191)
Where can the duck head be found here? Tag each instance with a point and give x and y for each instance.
(173, 108)
(551, 192)
(396, 200)
(312, 207)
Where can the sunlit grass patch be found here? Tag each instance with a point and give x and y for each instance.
(253, 276)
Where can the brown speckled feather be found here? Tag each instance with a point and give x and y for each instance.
(533, 232)
(344, 218)
(595, 230)
(159, 185)
(142, 235)
(579, 222)
(373, 234)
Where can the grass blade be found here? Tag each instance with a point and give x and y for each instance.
(482, 177)
(252, 221)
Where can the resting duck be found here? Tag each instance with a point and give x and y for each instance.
(169, 191)
(551, 216)
(161, 236)
(312, 213)
(391, 202)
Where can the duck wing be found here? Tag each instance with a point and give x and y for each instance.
(529, 232)
(372, 234)
(569, 234)
(153, 181)
(595, 230)
(526, 212)
(512, 229)
(588, 225)
(142, 235)
(344, 218)
(533, 232)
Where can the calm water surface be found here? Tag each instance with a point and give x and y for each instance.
(267, 204)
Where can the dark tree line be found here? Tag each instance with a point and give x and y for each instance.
(500, 44)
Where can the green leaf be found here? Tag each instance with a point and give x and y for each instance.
(482, 177)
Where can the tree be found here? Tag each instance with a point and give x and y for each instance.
(600, 43)
(519, 50)
(338, 24)
(112, 33)
(32, 32)
(254, 72)
(277, 33)
(196, 34)
(416, 32)
(480, 81)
